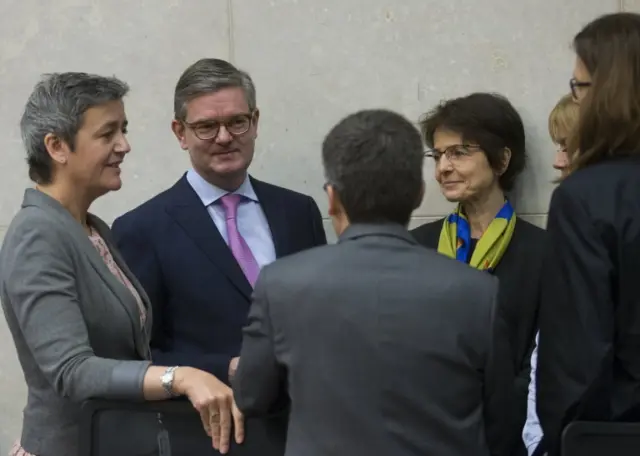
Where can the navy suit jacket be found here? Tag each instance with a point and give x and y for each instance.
(199, 294)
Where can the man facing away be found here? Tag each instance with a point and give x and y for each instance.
(197, 247)
(384, 347)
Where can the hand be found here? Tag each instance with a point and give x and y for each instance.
(214, 401)
(233, 367)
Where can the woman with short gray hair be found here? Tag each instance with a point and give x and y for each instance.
(79, 319)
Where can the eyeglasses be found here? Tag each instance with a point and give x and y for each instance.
(208, 129)
(576, 86)
(453, 153)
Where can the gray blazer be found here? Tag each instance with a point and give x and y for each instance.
(75, 326)
(384, 347)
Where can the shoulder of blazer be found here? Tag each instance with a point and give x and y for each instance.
(144, 215)
(529, 236)
(267, 190)
(34, 223)
(428, 234)
(45, 220)
(525, 252)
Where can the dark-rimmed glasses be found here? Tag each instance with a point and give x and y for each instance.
(208, 129)
(576, 85)
(453, 153)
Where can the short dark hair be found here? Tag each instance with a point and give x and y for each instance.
(208, 76)
(609, 47)
(490, 121)
(57, 105)
(374, 159)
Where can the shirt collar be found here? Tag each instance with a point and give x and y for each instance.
(209, 193)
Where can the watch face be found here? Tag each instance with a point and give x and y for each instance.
(167, 380)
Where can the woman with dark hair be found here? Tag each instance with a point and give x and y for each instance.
(478, 145)
(589, 363)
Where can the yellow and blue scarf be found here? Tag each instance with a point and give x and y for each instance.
(455, 238)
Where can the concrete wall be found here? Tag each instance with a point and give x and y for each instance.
(313, 62)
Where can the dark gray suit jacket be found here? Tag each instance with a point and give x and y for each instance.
(75, 326)
(384, 347)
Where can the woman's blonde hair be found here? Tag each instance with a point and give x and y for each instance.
(563, 119)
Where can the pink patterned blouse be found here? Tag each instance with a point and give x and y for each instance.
(105, 253)
(102, 248)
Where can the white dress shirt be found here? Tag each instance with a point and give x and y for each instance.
(532, 432)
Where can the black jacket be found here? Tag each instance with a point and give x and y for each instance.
(519, 274)
(589, 353)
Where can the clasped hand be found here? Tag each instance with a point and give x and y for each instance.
(214, 401)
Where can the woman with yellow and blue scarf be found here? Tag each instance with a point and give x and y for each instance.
(477, 144)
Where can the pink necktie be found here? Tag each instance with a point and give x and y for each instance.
(237, 244)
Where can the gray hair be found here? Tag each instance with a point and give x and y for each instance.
(208, 76)
(56, 106)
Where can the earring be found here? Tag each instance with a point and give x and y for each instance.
(63, 161)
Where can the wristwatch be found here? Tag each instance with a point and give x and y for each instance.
(167, 380)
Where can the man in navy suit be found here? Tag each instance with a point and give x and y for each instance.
(197, 247)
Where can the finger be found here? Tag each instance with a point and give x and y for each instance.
(214, 425)
(238, 423)
(204, 417)
(225, 425)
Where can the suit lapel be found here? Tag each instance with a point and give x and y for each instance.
(120, 290)
(275, 211)
(189, 212)
(125, 296)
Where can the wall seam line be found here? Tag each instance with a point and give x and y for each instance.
(230, 30)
